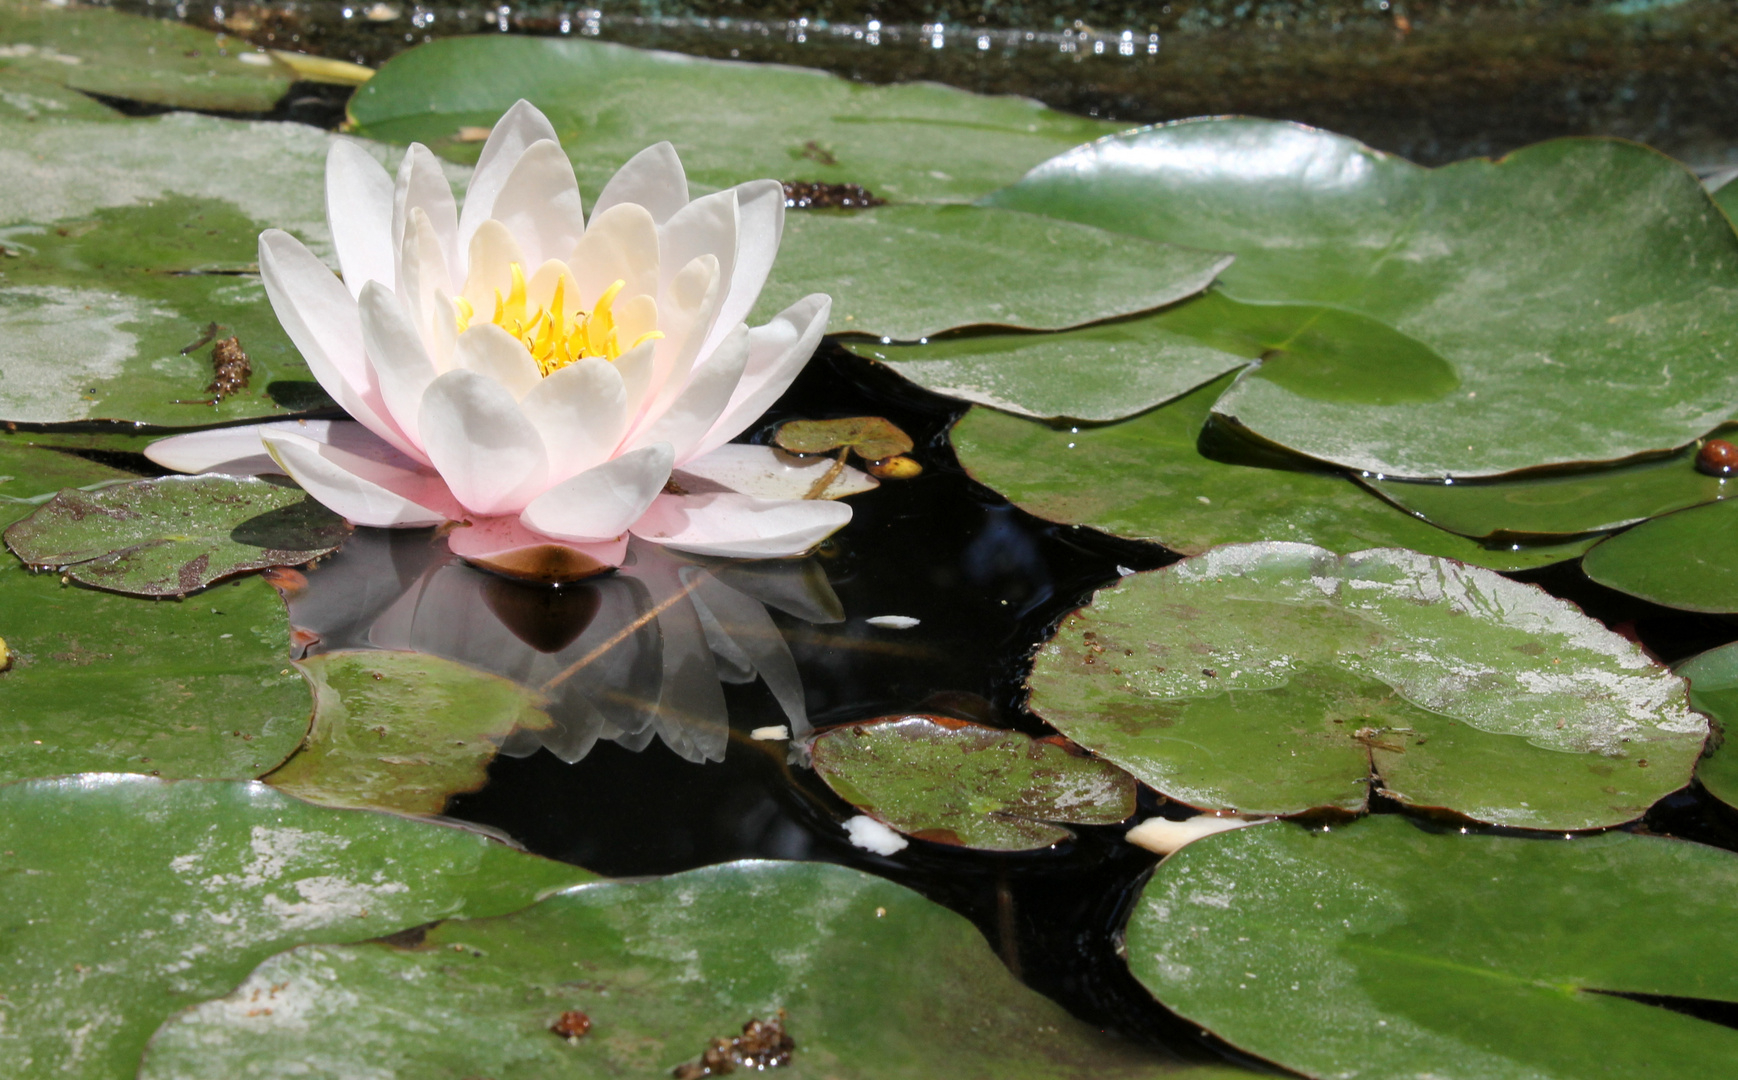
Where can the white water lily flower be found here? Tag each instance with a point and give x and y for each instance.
(526, 373)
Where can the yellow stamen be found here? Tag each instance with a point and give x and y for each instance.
(466, 313)
(552, 337)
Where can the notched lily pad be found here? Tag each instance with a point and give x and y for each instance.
(402, 731)
(1713, 678)
(1383, 950)
(1685, 560)
(869, 437)
(954, 782)
(1283, 679)
(174, 535)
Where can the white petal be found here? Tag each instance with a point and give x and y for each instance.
(401, 364)
(601, 502)
(1163, 836)
(423, 186)
(652, 178)
(636, 367)
(692, 414)
(540, 204)
(364, 491)
(518, 129)
(359, 211)
(738, 526)
(620, 244)
(706, 226)
(491, 351)
(581, 411)
(776, 355)
(765, 473)
(487, 452)
(423, 278)
(235, 451)
(760, 223)
(490, 260)
(685, 313)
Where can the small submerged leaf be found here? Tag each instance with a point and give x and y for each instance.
(174, 535)
(1713, 680)
(1283, 679)
(1380, 949)
(954, 782)
(402, 731)
(1685, 560)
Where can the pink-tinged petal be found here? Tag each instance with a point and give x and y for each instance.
(487, 452)
(652, 178)
(421, 185)
(520, 128)
(540, 204)
(600, 503)
(493, 251)
(776, 354)
(492, 352)
(620, 244)
(320, 317)
(235, 451)
(364, 491)
(402, 367)
(767, 473)
(706, 226)
(760, 224)
(740, 526)
(359, 211)
(581, 411)
(698, 406)
(505, 546)
(685, 313)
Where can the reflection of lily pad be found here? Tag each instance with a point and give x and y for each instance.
(1384, 950)
(1714, 690)
(911, 142)
(175, 535)
(128, 898)
(1539, 280)
(1684, 560)
(1145, 478)
(877, 982)
(958, 783)
(402, 731)
(1281, 678)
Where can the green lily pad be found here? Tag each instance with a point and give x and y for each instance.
(1726, 198)
(1713, 680)
(1146, 479)
(1684, 560)
(869, 437)
(126, 899)
(1582, 293)
(1283, 679)
(1384, 950)
(24, 96)
(157, 61)
(402, 731)
(979, 787)
(31, 473)
(876, 982)
(905, 272)
(917, 142)
(174, 535)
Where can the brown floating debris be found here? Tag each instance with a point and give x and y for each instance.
(230, 369)
(897, 467)
(1717, 457)
(470, 134)
(202, 340)
(806, 195)
(571, 1025)
(763, 1044)
(814, 151)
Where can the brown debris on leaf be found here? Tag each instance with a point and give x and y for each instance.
(876, 440)
(763, 1044)
(230, 368)
(571, 1025)
(814, 195)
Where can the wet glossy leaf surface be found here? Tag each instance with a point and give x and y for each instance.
(174, 535)
(1280, 678)
(877, 982)
(1713, 680)
(1146, 478)
(959, 783)
(1571, 255)
(1381, 949)
(608, 102)
(126, 899)
(906, 272)
(1684, 560)
(401, 731)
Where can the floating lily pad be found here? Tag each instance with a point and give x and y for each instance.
(959, 783)
(23, 96)
(1283, 679)
(1713, 680)
(869, 437)
(1684, 560)
(127, 899)
(1146, 479)
(1576, 301)
(31, 473)
(402, 731)
(905, 272)
(1384, 950)
(876, 982)
(906, 143)
(174, 535)
(1726, 198)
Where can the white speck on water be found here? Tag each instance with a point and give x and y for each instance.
(770, 734)
(870, 835)
(893, 622)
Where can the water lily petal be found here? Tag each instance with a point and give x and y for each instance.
(487, 452)
(233, 451)
(504, 545)
(740, 526)
(693, 412)
(652, 178)
(767, 473)
(421, 185)
(601, 502)
(620, 244)
(776, 354)
(760, 225)
(359, 211)
(685, 314)
(636, 367)
(706, 226)
(581, 411)
(364, 491)
(423, 278)
(491, 351)
(520, 128)
(540, 203)
(401, 364)
(493, 251)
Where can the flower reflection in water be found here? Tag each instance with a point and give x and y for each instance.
(637, 654)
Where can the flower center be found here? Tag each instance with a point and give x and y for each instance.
(554, 337)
